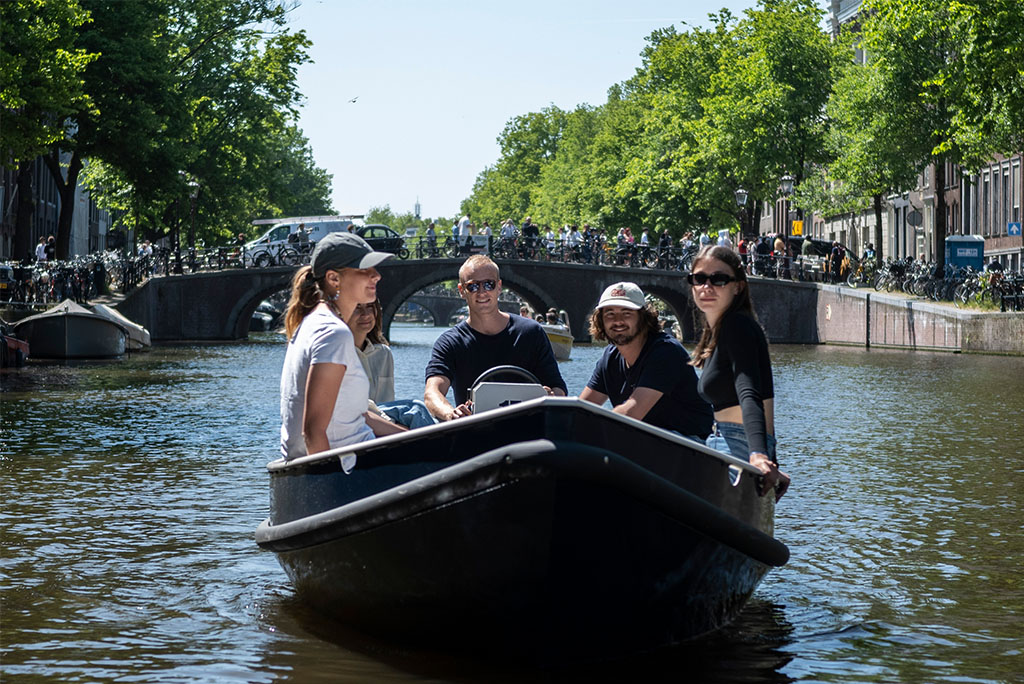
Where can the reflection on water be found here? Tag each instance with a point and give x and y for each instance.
(131, 490)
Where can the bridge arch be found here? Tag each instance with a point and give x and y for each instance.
(219, 305)
(394, 289)
(241, 313)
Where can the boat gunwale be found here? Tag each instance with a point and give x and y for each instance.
(281, 464)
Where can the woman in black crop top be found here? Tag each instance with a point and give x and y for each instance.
(736, 372)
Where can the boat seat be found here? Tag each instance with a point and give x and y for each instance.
(492, 395)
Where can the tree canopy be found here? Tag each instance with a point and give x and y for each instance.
(752, 98)
(166, 100)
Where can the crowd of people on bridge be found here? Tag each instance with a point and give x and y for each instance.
(337, 383)
(772, 255)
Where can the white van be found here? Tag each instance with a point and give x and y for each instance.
(279, 246)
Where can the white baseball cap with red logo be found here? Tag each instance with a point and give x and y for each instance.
(626, 295)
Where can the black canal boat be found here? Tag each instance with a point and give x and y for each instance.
(552, 525)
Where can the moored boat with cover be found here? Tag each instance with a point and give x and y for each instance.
(70, 331)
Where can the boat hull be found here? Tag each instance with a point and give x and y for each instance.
(559, 546)
(13, 352)
(139, 338)
(560, 338)
(72, 336)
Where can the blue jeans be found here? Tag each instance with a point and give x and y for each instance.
(730, 438)
(412, 413)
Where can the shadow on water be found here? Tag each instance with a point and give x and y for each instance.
(752, 649)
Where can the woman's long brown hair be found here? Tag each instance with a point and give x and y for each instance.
(741, 302)
(377, 334)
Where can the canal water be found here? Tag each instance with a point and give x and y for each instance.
(131, 490)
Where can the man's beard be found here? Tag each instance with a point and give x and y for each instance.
(623, 338)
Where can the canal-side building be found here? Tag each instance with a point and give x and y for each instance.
(991, 208)
(987, 203)
(90, 224)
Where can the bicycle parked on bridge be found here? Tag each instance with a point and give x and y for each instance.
(280, 255)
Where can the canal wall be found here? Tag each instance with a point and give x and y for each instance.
(872, 319)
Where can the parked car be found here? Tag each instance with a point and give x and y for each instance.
(384, 239)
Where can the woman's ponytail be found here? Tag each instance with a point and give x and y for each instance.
(306, 294)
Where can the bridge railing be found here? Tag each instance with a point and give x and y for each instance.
(132, 270)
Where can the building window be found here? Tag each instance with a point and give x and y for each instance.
(1007, 199)
(1015, 188)
(983, 222)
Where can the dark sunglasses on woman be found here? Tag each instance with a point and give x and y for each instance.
(716, 279)
(488, 285)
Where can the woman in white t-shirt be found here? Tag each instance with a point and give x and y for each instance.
(324, 389)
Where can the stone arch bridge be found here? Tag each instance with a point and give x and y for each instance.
(218, 305)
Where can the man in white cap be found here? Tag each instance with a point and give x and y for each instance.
(644, 371)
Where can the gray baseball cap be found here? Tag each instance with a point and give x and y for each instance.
(344, 250)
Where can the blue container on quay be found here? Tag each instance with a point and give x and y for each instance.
(966, 250)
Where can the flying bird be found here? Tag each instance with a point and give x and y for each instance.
(354, 99)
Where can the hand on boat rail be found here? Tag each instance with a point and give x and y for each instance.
(772, 477)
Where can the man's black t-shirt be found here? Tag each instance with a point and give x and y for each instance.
(461, 354)
(663, 365)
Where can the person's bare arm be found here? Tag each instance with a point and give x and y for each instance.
(593, 396)
(322, 386)
(639, 402)
(438, 405)
(381, 426)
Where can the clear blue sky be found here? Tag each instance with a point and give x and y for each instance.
(436, 82)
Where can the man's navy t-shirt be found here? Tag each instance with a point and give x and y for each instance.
(461, 354)
(663, 365)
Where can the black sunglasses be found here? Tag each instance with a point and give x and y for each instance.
(716, 279)
(488, 285)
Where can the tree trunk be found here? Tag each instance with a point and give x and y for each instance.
(23, 244)
(878, 228)
(66, 191)
(940, 216)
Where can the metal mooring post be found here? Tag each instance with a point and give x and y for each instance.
(867, 322)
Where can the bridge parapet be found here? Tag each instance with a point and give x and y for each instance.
(218, 305)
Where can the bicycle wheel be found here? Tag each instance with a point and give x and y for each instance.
(289, 257)
(650, 258)
(263, 260)
(453, 250)
(403, 253)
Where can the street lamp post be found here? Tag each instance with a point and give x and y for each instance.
(786, 185)
(741, 202)
(193, 195)
(177, 245)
